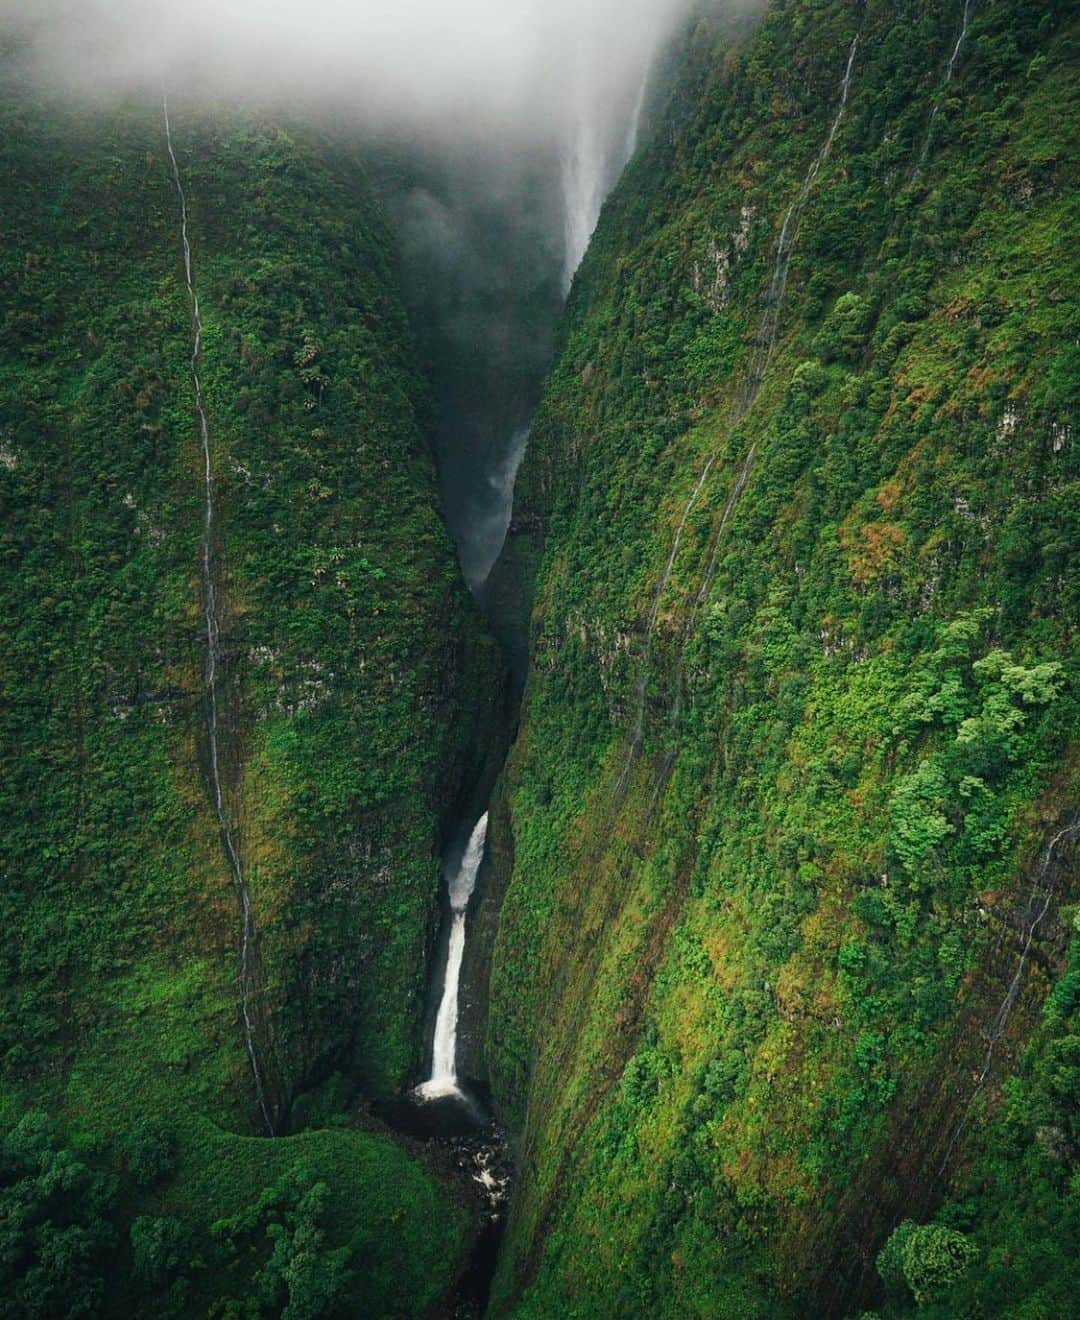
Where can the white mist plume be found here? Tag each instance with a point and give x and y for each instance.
(561, 77)
(504, 66)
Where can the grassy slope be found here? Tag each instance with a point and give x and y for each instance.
(749, 963)
(349, 641)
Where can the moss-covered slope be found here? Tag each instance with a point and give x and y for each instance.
(353, 682)
(793, 802)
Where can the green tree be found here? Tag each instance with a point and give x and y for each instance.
(159, 1248)
(150, 1147)
(300, 1279)
(890, 1261)
(933, 1258)
(843, 335)
(54, 1226)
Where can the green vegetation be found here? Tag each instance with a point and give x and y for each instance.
(923, 1260)
(355, 706)
(316, 1225)
(785, 903)
(785, 989)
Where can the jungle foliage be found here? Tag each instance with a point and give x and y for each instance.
(782, 984)
(358, 685)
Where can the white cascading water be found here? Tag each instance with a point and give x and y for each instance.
(633, 131)
(595, 151)
(489, 531)
(460, 885)
(211, 612)
(583, 172)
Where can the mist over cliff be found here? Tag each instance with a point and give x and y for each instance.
(510, 124)
(698, 896)
(475, 68)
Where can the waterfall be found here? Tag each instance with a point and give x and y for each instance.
(460, 885)
(490, 527)
(945, 82)
(584, 186)
(959, 42)
(596, 148)
(633, 133)
(212, 615)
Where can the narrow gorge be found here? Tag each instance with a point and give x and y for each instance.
(538, 740)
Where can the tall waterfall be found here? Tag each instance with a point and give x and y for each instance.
(460, 885)
(600, 137)
(212, 615)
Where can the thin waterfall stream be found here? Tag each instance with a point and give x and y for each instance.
(212, 615)
(964, 20)
(765, 342)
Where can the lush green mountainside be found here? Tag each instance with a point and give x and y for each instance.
(789, 830)
(353, 692)
(783, 999)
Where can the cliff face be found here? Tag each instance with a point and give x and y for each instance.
(793, 800)
(164, 945)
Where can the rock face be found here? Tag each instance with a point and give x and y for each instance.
(789, 820)
(354, 684)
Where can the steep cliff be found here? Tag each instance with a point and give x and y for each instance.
(243, 688)
(791, 819)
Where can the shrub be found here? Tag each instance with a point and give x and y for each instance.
(923, 1260)
(890, 1261)
(159, 1248)
(933, 1258)
(843, 335)
(151, 1151)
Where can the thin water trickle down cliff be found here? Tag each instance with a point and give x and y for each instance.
(212, 592)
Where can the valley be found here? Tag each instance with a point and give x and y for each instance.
(539, 724)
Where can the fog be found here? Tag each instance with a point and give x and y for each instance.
(510, 121)
(519, 68)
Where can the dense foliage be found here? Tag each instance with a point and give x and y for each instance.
(783, 1003)
(323, 1224)
(355, 699)
(792, 808)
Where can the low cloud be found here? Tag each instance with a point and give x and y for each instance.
(515, 67)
